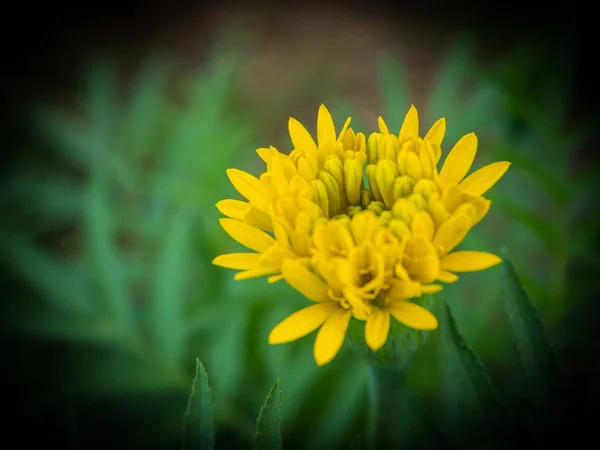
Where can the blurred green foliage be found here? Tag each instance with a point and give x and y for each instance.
(132, 202)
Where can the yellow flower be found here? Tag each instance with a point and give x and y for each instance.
(359, 246)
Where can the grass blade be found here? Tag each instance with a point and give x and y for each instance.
(268, 433)
(146, 105)
(171, 276)
(198, 420)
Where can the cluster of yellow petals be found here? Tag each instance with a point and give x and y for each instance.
(359, 226)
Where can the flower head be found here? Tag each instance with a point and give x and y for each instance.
(359, 226)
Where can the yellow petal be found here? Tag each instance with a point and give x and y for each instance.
(302, 322)
(301, 138)
(403, 290)
(249, 187)
(459, 160)
(422, 225)
(344, 129)
(325, 127)
(377, 328)
(436, 132)
(480, 181)
(274, 279)
(432, 288)
(259, 219)
(413, 315)
(447, 277)
(255, 273)
(238, 261)
(246, 235)
(469, 261)
(266, 154)
(304, 281)
(410, 126)
(452, 232)
(331, 336)
(382, 126)
(236, 209)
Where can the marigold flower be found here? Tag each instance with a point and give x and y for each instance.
(359, 226)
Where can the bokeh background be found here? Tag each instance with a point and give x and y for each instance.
(122, 122)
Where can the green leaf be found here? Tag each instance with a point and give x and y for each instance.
(146, 106)
(268, 433)
(551, 180)
(167, 307)
(62, 286)
(536, 355)
(395, 93)
(100, 97)
(446, 92)
(477, 114)
(100, 235)
(545, 230)
(396, 417)
(341, 409)
(198, 420)
(356, 443)
(66, 136)
(468, 393)
(63, 326)
(41, 202)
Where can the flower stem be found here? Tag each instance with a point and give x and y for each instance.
(395, 415)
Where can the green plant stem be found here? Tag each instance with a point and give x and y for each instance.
(395, 417)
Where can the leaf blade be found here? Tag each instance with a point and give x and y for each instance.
(198, 419)
(462, 368)
(268, 432)
(536, 354)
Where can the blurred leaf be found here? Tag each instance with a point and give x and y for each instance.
(394, 91)
(57, 200)
(479, 113)
(100, 98)
(547, 175)
(198, 421)
(534, 350)
(346, 401)
(343, 109)
(101, 243)
(545, 230)
(356, 443)
(63, 286)
(127, 368)
(227, 346)
(556, 83)
(65, 135)
(169, 289)
(446, 93)
(268, 434)
(146, 106)
(63, 326)
(396, 416)
(468, 392)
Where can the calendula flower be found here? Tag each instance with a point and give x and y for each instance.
(359, 246)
